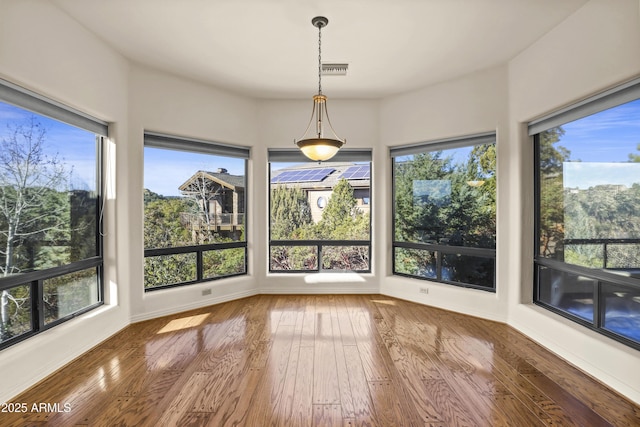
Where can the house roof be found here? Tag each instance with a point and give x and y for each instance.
(222, 177)
(329, 181)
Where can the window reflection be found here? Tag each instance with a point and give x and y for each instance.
(589, 218)
(445, 213)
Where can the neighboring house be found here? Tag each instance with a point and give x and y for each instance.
(220, 198)
(318, 180)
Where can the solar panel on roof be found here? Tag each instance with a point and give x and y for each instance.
(304, 175)
(357, 172)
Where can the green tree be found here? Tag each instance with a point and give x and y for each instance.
(442, 201)
(342, 220)
(481, 168)
(290, 211)
(34, 214)
(340, 212)
(164, 229)
(635, 157)
(417, 215)
(33, 204)
(552, 226)
(163, 226)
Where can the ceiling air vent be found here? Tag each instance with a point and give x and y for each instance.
(334, 69)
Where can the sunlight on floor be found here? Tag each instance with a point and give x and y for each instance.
(386, 301)
(333, 278)
(183, 323)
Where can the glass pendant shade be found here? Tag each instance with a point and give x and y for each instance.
(319, 149)
(316, 145)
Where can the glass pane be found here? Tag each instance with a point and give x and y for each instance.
(15, 312)
(590, 190)
(446, 197)
(293, 258)
(223, 262)
(567, 292)
(49, 196)
(584, 254)
(354, 258)
(169, 269)
(624, 257)
(201, 201)
(327, 201)
(416, 262)
(479, 271)
(65, 295)
(622, 310)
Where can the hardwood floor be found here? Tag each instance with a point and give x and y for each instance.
(343, 360)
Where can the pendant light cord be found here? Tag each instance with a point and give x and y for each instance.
(320, 59)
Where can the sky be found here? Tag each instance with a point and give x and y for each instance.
(600, 145)
(74, 147)
(166, 170)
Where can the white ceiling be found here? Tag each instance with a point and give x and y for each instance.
(268, 48)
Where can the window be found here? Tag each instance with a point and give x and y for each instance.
(50, 210)
(194, 211)
(587, 259)
(444, 211)
(321, 202)
(318, 219)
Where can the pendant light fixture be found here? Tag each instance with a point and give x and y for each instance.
(320, 142)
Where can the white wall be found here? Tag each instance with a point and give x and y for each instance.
(280, 122)
(171, 105)
(44, 50)
(474, 104)
(594, 49)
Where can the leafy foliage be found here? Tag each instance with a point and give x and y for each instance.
(459, 215)
(163, 227)
(42, 223)
(551, 191)
(166, 225)
(290, 211)
(441, 199)
(341, 220)
(603, 212)
(635, 157)
(34, 208)
(599, 212)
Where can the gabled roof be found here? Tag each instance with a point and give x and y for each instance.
(224, 179)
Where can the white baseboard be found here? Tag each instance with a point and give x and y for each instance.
(317, 291)
(192, 305)
(411, 297)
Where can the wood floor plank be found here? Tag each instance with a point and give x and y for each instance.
(344, 387)
(147, 407)
(348, 360)
(327, 416)
(326, 389)
(412, 339)
(269, 391)
(361, 402)
(308, 333)
(368, 345)
(302, 402)
(390, 406)
(282, 410)
(344, 321)
(422, 399)
(184, 401)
